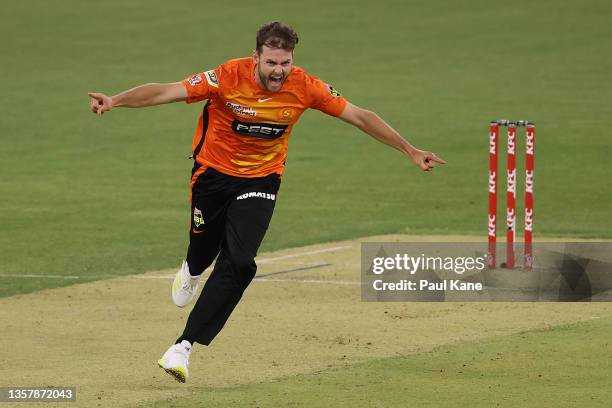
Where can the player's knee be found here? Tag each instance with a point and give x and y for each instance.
(245, 268)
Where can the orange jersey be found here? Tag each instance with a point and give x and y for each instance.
(244, 130)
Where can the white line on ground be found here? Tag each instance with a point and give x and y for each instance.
(319, 251)
(259, 261)
(39, 276)
(169, 277)
(332, 282)
(150, 276)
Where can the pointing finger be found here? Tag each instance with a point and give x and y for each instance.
(435, 158)
(97, 96)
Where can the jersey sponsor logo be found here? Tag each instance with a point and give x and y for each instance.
(211, 78)
(198, 218)
(257, 194)
(241, 110)
(260, 130)
(333, 91)
(194, 80)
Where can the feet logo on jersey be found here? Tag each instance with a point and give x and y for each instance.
(198, 219)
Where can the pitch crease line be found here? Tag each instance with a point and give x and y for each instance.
(318, 281)
(318, 251)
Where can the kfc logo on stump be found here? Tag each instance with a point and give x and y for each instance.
(512, 181)
(491, 225)
(492, 182)
(529, 181)
(528, 219)
(529, 147)
(511, 142)
(492, 143)
(510, 220)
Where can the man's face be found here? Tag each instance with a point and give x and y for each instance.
(272, 68)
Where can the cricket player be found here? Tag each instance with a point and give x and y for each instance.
(239, 151)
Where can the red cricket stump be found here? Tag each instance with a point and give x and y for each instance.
(529, 181)
(493, 143)
(511, 192)
(511, 197)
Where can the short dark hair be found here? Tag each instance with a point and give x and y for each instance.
(276, 35)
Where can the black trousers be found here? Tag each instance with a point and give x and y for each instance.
(229, 218)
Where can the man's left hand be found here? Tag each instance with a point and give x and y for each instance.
(426, 160)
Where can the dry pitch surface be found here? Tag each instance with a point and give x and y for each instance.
(105, 337)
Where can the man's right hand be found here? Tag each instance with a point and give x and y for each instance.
(100, 103)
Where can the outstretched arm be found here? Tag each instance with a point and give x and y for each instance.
(139, 97)
(374, 126)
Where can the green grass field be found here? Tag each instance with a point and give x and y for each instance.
(101, 197)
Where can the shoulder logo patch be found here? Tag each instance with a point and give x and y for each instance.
(333, 91)
(194, 80)
(211, 78)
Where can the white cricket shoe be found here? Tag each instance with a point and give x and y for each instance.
(175, 361)
(184, 286)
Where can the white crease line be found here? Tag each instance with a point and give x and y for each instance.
(295, 263)
(263, 279)
(169, 277)
(40, 276)
(308, 281)
(259, 261)
(150, 276)
(319, 251)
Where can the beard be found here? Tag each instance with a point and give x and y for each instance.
(268, 82)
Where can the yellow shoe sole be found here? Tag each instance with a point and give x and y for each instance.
(178, 373)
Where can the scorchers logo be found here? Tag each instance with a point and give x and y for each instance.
(198, 219)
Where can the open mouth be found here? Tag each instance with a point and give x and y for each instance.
(275, 80)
